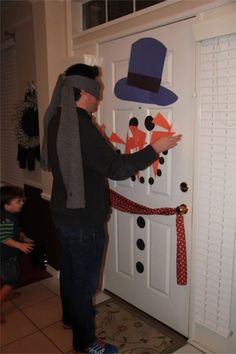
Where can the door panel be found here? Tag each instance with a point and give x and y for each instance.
(141, 259)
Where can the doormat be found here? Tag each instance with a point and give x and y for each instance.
(133, 331)
(31, 273)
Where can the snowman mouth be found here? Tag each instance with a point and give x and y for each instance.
(126, 205)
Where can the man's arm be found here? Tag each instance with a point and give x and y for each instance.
(100, 156)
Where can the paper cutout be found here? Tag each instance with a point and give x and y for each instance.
(114, 138)
(136, 138)
(130, 144)
(143, 81)
(139, 136)
(155, 167)
(160, 120)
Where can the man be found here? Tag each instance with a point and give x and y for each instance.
(81, 160)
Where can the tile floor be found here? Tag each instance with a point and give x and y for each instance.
(33, 322)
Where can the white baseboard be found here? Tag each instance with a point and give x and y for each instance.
(55, 273)
(199, 346)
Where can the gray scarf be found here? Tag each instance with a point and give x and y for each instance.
(68, 138)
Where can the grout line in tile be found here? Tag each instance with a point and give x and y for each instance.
(45, 335)
(51, 341)
(21, 310)
(37, 330)
(42, 283)
(16, 340)
(36, 303)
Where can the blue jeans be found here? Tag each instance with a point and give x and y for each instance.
(80, 263)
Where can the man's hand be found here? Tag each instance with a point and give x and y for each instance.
(166, 143)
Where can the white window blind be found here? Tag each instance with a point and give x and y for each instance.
(216, 184)
(10, 171)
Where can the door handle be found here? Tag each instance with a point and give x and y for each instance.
(182, 209)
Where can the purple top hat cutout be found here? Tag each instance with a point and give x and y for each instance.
(143, 83)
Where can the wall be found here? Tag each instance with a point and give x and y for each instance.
(50, 41)
(16, 17)
(32, 48)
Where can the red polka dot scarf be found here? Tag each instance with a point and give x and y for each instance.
(123, 204)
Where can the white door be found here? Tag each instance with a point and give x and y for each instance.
(141, 259)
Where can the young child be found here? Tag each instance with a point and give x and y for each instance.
(11, 240)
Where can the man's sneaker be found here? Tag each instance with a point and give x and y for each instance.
(100, 347)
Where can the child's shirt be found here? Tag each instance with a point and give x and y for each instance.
(9, 229)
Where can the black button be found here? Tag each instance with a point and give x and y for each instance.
(141, 180)
(141, 222)
(151, 180)
(139, 267)
(161, 160)
(140, 244)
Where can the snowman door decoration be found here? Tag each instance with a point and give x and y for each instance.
(143, 85)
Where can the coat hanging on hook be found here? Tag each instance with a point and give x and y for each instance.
(27, 129)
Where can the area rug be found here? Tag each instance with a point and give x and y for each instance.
(134, 332)
(31, 273)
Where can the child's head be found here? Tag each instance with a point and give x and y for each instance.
(12, 199)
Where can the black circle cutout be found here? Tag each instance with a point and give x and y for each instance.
(148, 123)
(141, 222)
(159, 173)
(161, 160)
(133, 121)
(165, 152)
(140, 244)
(133, 178)
(139, 267)
(141, 180)
(151, 180)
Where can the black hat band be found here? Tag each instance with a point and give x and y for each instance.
(144, 82)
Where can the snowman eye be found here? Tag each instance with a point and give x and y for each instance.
(148, 123)
(133, 121)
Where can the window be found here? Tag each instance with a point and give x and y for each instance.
(118, 8)
(215, 178)
(96, 12)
